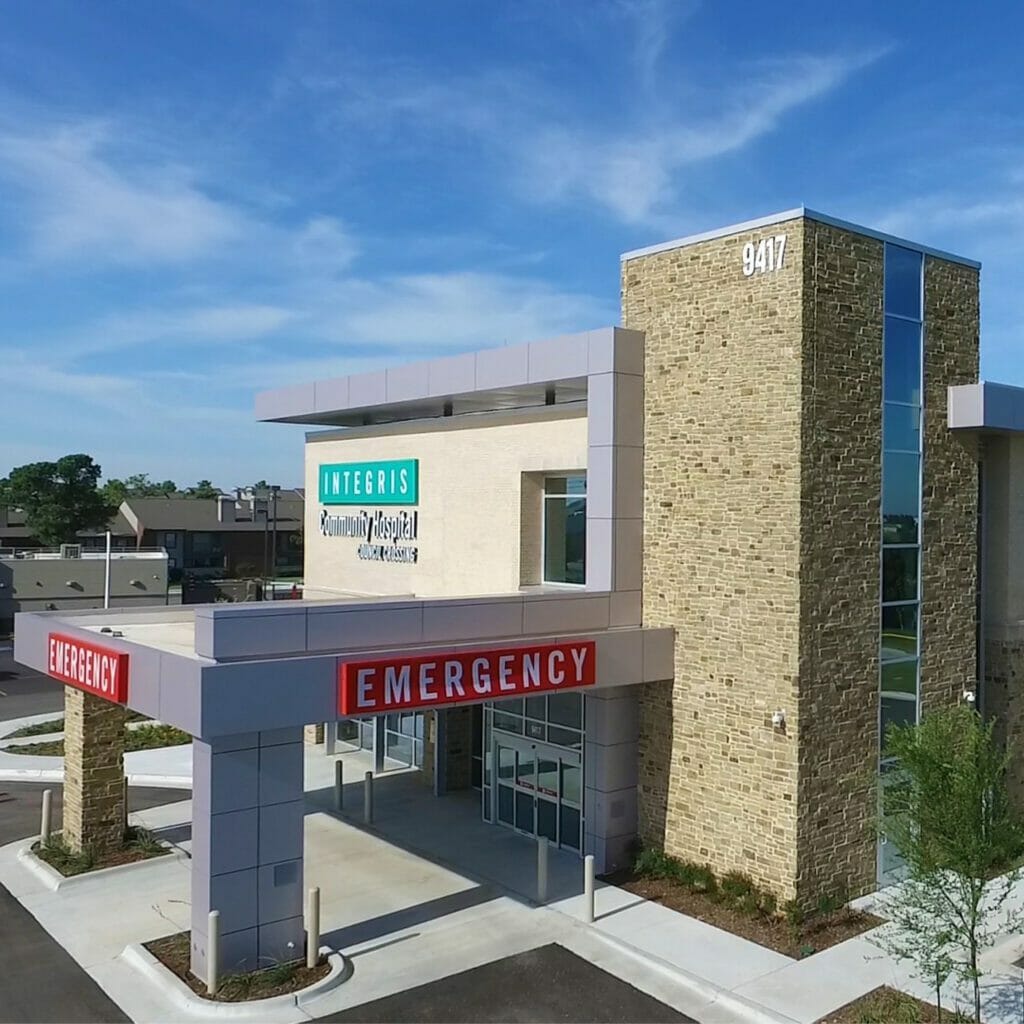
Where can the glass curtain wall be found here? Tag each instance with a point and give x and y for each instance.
(902, 379)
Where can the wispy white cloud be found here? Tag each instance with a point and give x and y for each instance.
(637, 174)
(79, 203)
(552, 150)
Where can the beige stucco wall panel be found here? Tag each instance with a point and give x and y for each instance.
(470, 509)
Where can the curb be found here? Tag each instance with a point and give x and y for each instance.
(57, 775)
(178, 993)
(739, 1005)
(55, 881)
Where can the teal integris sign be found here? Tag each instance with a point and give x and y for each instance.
(392, 482)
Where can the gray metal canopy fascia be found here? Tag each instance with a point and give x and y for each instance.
(987, 406)
(494, 378)
(265, 677)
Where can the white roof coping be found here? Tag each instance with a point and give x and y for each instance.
(795, 213)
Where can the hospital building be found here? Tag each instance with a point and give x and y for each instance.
(664, 582)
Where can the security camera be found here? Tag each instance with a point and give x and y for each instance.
(778, 719)
(969, 696)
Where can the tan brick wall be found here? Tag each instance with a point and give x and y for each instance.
(840, 552)
(93, 772)
(950, 511)
(722, 549)
(470, 503)
(313, 734)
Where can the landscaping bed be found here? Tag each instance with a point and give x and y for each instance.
(887, 1005)
(52, 725)
(144, 737)
(139, 844)
(735, 904)
(174, 952)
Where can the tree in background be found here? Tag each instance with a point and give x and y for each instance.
(203, 489)
(138, 485)
(946, 808)
(59, 499)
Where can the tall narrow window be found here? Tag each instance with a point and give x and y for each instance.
(565, 529)
(900, 583)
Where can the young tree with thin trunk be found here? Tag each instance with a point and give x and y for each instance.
(946, 809)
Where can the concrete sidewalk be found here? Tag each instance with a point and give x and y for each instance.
(429, 889)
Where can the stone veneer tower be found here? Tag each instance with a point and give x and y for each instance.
(762, 540)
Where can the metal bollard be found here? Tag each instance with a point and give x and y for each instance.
(46, 822)
(213, 952)
(542, 869)
(368, 798)
(124, 797)
(313, 928)
(339, 785)
(588, 888)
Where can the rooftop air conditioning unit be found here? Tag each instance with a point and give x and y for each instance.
(71, 551)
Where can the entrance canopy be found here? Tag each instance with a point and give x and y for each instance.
(220, 670)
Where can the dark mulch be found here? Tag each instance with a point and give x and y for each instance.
(174, 952)
(69, 864)
(815, 934)
(886, 1005)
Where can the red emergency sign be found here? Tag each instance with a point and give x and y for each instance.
(90, 667)
(433, 680)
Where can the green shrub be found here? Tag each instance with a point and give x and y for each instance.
(769, 905)
(653, 863)
(687, 873)
(56, 852)
(736, 887)
(750, 904)
(793, 913)
(829, 904)
(143, 840)
(704, 881)
(150, 737)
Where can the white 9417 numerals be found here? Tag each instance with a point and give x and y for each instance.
(765, 256)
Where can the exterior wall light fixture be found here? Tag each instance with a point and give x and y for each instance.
(779, 719)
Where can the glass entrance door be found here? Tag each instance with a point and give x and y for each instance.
(539, 790)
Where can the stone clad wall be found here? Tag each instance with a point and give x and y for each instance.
(950, 526)
(722, 550)
(840, 552)
(93, 772)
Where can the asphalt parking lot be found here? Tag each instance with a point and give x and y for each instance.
(549, 983)
(40, 982)
(24, 692)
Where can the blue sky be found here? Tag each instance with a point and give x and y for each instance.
(199, 200)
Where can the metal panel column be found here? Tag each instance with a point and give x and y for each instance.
(247, 847)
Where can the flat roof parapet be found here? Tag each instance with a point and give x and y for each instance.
(795, 214)
(515, 376)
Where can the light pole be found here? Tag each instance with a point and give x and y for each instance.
(273, 535)
(267, 495)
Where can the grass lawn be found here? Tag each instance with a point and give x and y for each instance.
(145, 737)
